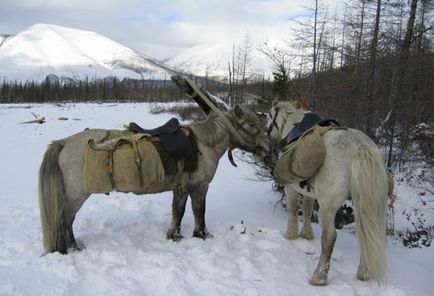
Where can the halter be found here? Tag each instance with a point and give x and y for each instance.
(240, 127)
(274, 123)
(270, 128)
(233, 130)
(280, 130)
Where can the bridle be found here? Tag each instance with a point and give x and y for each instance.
(273, 123)
(239, 127)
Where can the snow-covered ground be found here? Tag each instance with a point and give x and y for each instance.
(126, 251)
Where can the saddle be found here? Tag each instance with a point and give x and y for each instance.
(174, 144)
(170, 135)
(308, 121)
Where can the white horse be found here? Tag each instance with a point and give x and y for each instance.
(353, 167)
(61, 181)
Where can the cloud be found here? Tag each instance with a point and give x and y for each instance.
(155, 27)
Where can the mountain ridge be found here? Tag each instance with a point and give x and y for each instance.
(45, 50)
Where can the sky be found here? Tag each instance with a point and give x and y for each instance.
(161, 28)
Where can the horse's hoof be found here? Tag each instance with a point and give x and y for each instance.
(318, 281)
(290, 236)
(174, 235)
(77, 249)
(363, 276)
(202, 234)
(307, 233)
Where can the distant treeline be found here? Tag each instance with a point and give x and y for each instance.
(99, 90)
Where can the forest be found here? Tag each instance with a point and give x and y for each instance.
(372, 68)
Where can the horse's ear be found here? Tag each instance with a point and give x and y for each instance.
(238, 111)
(261, 115)
(302, 103)
(274, 103)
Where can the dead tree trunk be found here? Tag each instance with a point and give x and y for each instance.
(372, 69)
(394, 98)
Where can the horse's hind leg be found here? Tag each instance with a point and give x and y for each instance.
(198, 203)
(56, 206)
(292, 208)
(307, 231)
(178, 210)
(70, 218)
(328, 239)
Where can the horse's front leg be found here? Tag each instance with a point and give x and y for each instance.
(328, 238)
(292, 208)
(198, 203)
(178, 210)
(306, 230)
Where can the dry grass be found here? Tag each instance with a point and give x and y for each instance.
(185, 112)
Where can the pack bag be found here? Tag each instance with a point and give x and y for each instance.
(302, 158)
(129, 163)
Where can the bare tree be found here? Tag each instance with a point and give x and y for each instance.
(395, 96)
(308, 36)
(245, 52)
(372, 67)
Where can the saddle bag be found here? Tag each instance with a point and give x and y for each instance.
(127, 164)
(302, 158)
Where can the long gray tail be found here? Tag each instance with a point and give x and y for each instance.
(369, 188)
(52, 201)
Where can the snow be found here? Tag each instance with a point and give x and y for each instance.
(126, 252)
(45, 49)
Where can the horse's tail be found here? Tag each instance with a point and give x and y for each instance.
(52, 201)
(369, 188)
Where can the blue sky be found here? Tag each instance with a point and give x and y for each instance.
(160, 28)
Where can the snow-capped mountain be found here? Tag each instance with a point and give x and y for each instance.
(212, 60)
(46, 50)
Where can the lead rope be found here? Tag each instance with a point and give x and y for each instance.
(230, 156)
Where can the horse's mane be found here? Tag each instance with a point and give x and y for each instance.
(210, 131)
(287, 105)
(291, 110)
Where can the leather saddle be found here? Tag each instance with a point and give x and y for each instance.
(308, 121)
(171, 137)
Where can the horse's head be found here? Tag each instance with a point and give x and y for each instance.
(250, 130)
(281, 119)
